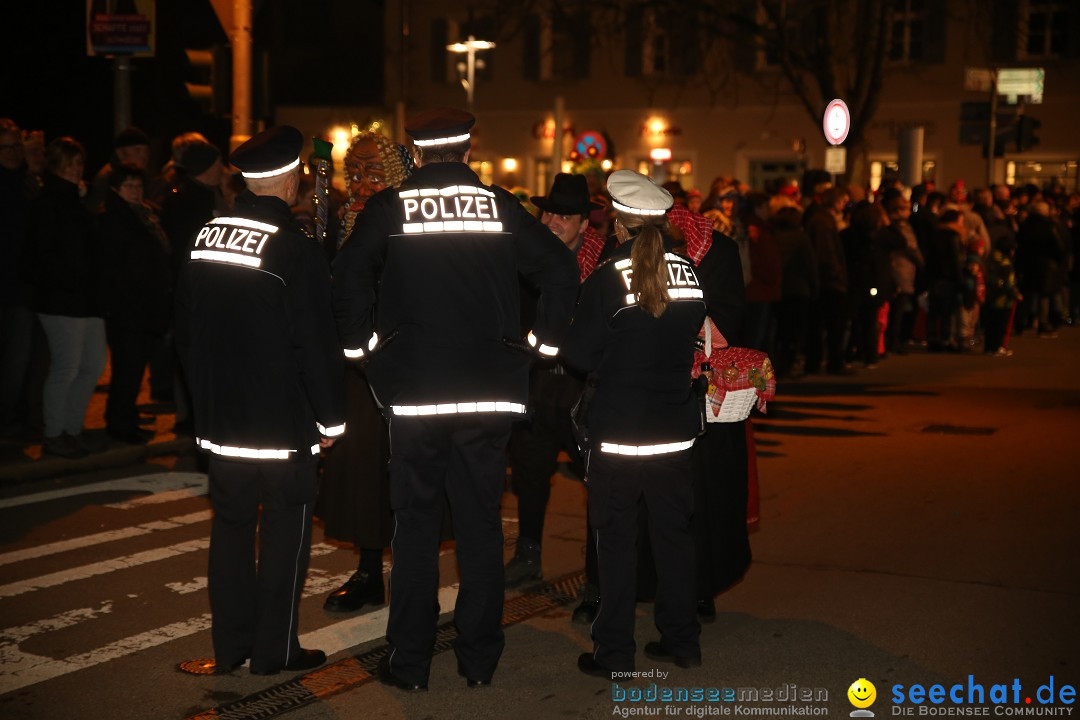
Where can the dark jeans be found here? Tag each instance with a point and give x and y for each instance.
(901, 321)
(829, 323)
(790, 333)
(994, 323)
(131, 351)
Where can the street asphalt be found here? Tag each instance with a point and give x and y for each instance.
(919, 526)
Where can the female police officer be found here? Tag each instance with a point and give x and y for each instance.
(634, 332)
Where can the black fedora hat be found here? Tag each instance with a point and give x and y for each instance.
(569, 196)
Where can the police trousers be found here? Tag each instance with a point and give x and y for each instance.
(462, 459)
(615, 484)
(255, 602)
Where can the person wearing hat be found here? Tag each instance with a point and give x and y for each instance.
(536, 442)
(256, 337)
(442, 351)
(193, 201)
(633, 332)
(131, 146)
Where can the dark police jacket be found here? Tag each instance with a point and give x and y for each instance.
(442, 253)
(641, 363)
(255, 332)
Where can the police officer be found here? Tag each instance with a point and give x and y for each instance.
(442, 252)
(634, 332)
(256, 335)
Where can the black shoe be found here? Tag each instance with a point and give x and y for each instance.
(587, 664)
(525, 566)
(387, 677)
(361, 589)
(306, 660)
(224, 669)
(472, 682)
(92, 441)
(706, 610)
(137, 436)
(147, 419)
(655, 651)
(63, 445)
(585, 613)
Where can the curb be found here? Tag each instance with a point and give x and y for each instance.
(27, 469)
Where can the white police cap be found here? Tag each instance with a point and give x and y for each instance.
(633, 193)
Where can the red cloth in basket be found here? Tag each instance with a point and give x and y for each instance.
(739, 378)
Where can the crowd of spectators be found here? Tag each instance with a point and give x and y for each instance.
(835, 278)
(838, 278)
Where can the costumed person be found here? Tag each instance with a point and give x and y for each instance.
(535, 443)
(433, 268)
(354, 499)
(633, 333)
(256, 337)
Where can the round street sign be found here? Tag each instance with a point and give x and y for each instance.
(837, 122)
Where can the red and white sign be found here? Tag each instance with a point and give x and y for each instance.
(837, 122)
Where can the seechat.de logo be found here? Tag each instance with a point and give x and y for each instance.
(862, 695)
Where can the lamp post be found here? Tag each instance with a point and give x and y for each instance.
(469, 49)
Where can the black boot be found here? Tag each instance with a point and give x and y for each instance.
(525, 566)
(585, 613)
(361, 589)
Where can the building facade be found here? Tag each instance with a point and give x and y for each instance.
(671, 90)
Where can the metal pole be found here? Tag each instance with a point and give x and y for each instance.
(993, 128)
(471, 72)
(241, 47)
(556, 141)
(121, 92)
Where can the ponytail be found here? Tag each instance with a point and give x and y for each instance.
(649, 279)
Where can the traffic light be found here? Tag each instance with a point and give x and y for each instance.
(1025, 132)
(212, 70)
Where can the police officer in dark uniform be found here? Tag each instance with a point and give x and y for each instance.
(256, 335)
(634, 332)
(442, 252)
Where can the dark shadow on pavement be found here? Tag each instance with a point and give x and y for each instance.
(813, 431)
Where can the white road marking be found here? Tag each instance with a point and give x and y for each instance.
(101, 568)
(156, 483)
(19, 669)
(365, 628)
(104, 537)
(163, 497)
(185, 588)
(18, 633)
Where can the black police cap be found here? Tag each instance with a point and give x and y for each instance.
(440, 126)
(272, 152)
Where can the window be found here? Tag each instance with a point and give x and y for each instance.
(655, 60)
(908, 30)
(1047, 25)
(562, 45)
(661, 45)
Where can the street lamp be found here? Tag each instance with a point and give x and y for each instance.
(468, 67)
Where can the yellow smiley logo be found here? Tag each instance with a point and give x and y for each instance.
(862, 693)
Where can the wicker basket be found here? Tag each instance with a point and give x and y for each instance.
(739, 378)
(735, 408)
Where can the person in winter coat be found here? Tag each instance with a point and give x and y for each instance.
(62, 248)
(138, 294)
